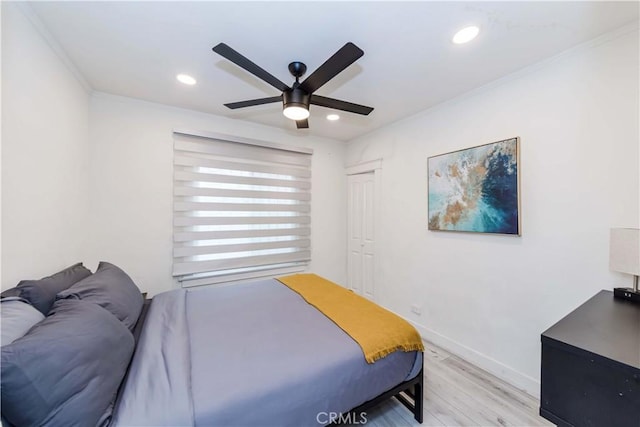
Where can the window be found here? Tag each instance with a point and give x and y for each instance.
(241, 208)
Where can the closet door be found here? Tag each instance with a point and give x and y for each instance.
(361, 261)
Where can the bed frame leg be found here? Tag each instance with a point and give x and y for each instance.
(418, 401)
(413, 388)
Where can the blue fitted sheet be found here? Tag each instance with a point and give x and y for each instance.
(248, 355)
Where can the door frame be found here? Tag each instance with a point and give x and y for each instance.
(374, 166)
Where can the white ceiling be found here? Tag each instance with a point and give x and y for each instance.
(135, 49)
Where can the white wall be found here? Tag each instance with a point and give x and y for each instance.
(131, 158)
(44, 155)
(489, 297)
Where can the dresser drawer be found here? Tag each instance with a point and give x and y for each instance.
(582, 389)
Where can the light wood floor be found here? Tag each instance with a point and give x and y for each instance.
(460, 394)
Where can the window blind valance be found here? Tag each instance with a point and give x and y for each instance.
(240, 207)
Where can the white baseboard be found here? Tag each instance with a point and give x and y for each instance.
(517, 379)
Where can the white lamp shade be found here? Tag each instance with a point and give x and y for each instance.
(624, 250)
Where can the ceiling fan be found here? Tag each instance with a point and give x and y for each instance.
(297, 98)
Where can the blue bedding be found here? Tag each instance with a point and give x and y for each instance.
(247, 355)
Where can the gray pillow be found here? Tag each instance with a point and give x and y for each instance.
(16, 318)
(67, 369)
(42, 293)
(111, 288)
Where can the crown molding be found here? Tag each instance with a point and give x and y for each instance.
(40, 27)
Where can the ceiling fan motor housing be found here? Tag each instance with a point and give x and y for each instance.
(295, 97)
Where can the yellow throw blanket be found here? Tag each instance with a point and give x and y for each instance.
(378, 331)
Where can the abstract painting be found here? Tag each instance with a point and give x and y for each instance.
(476, 189)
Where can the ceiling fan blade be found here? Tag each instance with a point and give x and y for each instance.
(340, 60)
(323, 101)
(302, 124)
(241, 61)
(252, 102)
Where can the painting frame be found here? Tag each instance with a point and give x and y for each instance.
(476, 189)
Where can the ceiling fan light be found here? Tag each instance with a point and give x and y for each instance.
(295, 112)
(296, 104)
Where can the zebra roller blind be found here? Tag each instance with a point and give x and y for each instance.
(241, 207)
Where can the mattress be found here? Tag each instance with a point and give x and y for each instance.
(250, 354)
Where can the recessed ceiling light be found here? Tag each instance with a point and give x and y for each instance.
(333, 117)
(466, 35)
(186, 79)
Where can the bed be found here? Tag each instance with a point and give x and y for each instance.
(247, 354)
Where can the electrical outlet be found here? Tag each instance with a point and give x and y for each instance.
(416, 309)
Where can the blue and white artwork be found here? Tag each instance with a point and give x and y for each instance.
(476, 189)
